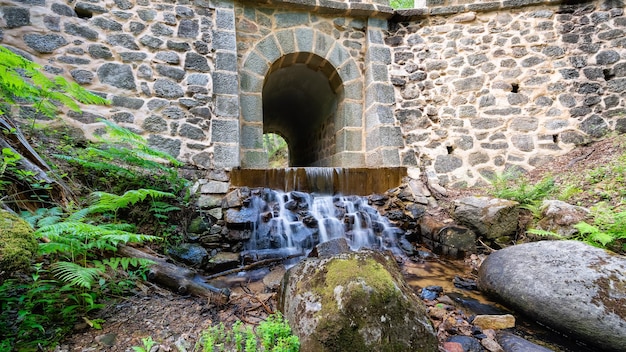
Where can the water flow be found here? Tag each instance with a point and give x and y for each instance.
(295, 222)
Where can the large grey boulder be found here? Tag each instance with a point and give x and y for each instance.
(354, 301)
(488, 217)
(566, 285)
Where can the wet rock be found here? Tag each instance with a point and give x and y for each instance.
(273, 279)
(512, 343)
(355, 301)
(431, 292)
(495, 322)
(464, 283)
(453, 347)
(241, 219)
(445, 238)
(223, 261)
(330, 248)
(566, 285)
(198, 225)
(190, 253)
(488, 217)
(560, 217)
(468, 343)
(491, 345)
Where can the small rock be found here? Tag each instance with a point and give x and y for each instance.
(469, 344)
(273, 279)
(107, 339)
(491, 345)
(453, 347)
(512, 343)
(496, 322)
(431, 292)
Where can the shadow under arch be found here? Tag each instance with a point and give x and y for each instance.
(300, 103)
(308, 91)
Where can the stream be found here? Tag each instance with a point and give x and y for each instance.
(295, 222)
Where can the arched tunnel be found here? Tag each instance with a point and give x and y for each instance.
(300, 104)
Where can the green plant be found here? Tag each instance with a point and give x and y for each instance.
(401, 4)
(22, 80)
(277, 150)
(608, 229)
(122, 160)
(272, 334)
(512, 186)
(147, 345)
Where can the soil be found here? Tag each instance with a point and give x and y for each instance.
(175, 321)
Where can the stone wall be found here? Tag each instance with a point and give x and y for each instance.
(153, 59)
(486, 87)
(460, 90)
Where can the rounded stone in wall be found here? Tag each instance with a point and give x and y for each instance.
(46, 43)
(155, 124)
(98, 51)
(164, 88)
(595, 126)
(117, 75)
(447, 163)
(82, 76)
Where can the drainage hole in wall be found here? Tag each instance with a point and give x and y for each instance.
(514, 87)
(450, 149)
(83, 13)
(608, 75)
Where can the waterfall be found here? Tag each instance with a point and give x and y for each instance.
(295, 222)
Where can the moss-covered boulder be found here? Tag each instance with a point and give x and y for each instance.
(356, 301)
(17, 244)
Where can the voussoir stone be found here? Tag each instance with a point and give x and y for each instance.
(566, 285)
(355, 301)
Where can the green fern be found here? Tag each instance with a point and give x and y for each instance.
(76, 275)
(126, 155)
(103, 202)
(511, 186)
(76, 238)
(21, 79)
(122, 262)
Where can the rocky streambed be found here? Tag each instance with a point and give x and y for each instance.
(435, 264)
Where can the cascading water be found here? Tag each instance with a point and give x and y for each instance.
(295, 222)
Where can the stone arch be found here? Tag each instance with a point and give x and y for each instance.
(339, 139)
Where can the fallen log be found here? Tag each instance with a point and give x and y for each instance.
(177, 278)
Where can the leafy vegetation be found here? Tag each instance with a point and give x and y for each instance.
(512, 186)
(23, 81)
(271, 335)
(608, 229)
(601, 188)
(277, 150)
(76, 264)
(122, 160)
(402, 4)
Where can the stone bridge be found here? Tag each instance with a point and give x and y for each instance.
(459, 89)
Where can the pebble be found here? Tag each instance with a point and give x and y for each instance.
(496, 322)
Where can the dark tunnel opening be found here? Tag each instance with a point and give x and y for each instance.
(300, 104)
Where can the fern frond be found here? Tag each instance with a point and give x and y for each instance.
(76, 275)
(124, 262)
(107, 202)
(121, 134)
(96, 165)
(119, 227)
(123, 238)
(540, 232)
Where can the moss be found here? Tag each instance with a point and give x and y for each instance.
(357, 292)
(17, 243)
